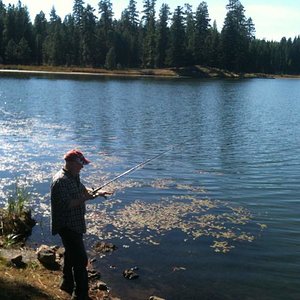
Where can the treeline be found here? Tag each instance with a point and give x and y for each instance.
(148, 39)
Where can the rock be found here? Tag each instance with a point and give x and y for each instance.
(130, 274)
(156, 298)
(47, 257)
(17, 261)
(93, 274)
(103, 247)
(100, 285)
(59, 251)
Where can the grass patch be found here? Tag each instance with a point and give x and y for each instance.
(16, 221)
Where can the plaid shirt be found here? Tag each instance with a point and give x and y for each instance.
(64, 188)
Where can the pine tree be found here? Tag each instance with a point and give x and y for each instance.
(235, 37)
(201, 33)
(106, 16)
(104, 31)
(190, 34)
(78, 8)
(77, 14)
(40, 33)
(149, 34)
(123, 39)
(176, 52)
(71, 46)
(88, 36)
(23, 24)
(295, 56)
(162, 36)
(2, 17)
(127, 41)
(9, 31)
(213, 46)
(133, 14)
(16, 26)
(53, 47)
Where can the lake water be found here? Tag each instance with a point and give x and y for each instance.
(216, 217)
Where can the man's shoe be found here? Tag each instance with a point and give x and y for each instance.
(67, 287)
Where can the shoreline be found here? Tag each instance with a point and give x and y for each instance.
(36, 280)
(7, 71)
(77, 71)
(192, 72)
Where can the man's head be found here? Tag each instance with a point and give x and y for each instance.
(75, 161)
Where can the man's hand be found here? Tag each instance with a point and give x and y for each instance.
(102, 194)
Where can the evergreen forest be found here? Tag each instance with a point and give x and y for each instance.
(152, 38)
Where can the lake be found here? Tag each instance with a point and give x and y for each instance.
(216, 217)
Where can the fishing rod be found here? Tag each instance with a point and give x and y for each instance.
(140, 165)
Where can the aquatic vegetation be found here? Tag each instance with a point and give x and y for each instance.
(191, 189)
(221, 246)
(162, 183)
(143, 222)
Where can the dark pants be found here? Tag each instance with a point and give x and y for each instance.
(75, 262)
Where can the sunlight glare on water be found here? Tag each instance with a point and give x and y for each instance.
(215, 217)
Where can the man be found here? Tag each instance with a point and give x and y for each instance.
(68, 197)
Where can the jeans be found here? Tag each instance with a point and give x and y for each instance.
(75, 262)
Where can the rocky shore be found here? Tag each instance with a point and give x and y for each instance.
(27, 273)
(38, 272)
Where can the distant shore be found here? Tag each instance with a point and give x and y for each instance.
(131, 73)
(196, 71)
(183, 72)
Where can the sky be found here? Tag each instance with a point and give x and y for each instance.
(273, 19)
